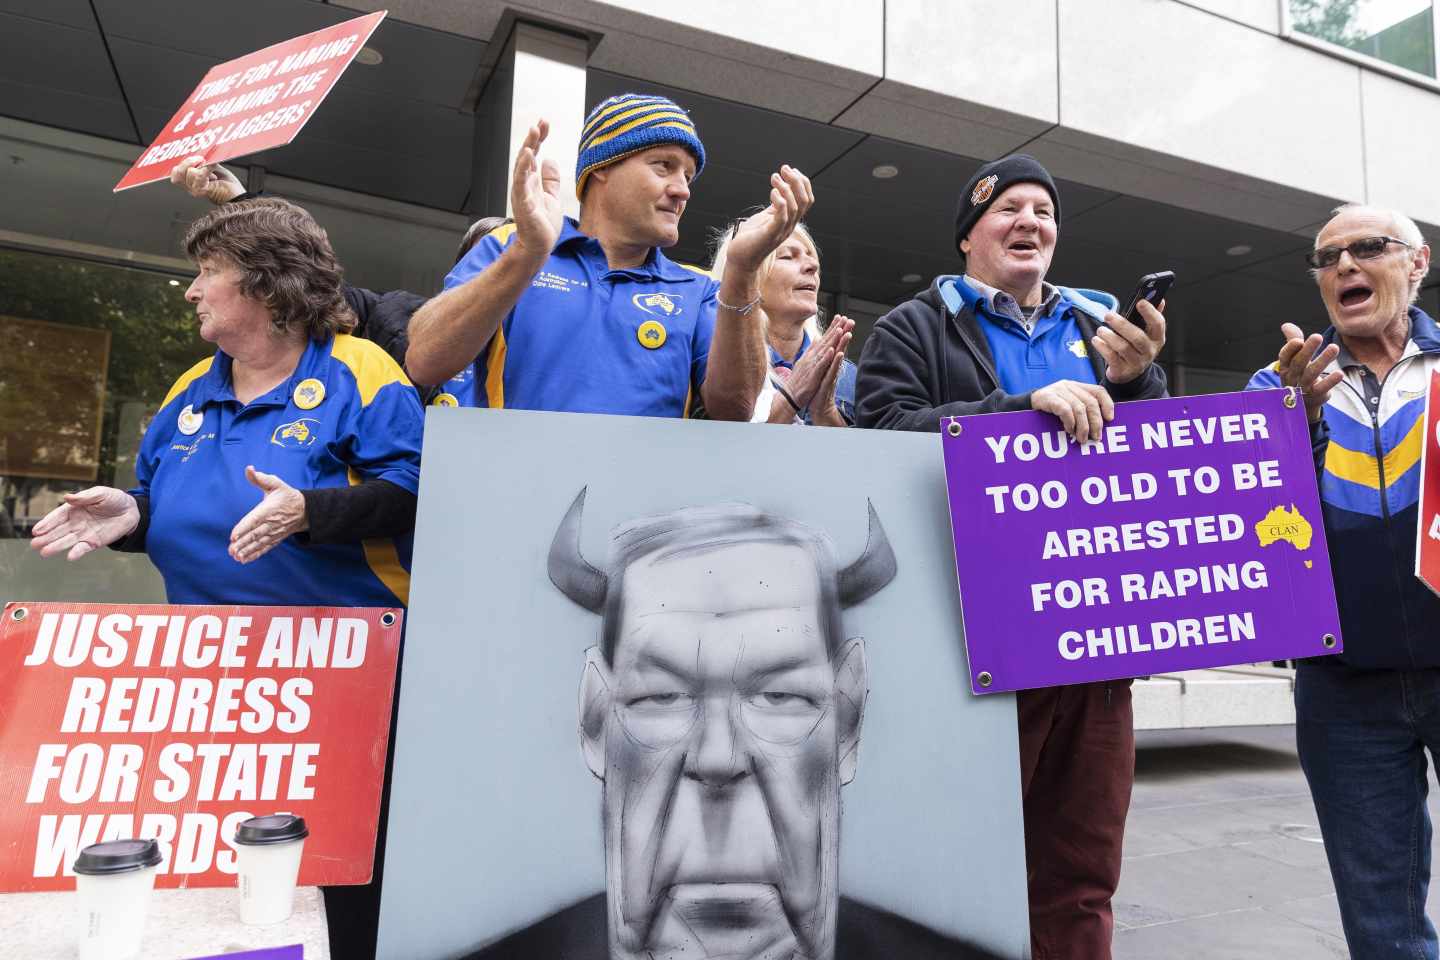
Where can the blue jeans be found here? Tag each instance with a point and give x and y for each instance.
(1362, 737)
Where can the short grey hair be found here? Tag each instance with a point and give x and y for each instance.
(1404, 229)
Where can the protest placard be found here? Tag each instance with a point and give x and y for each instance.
(179, 722)
(1189, 536)
(255, 102)
(1427, 532)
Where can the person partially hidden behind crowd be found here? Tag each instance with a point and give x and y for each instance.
(1365, 717)
(591, 316)
(383, 317)
(281, 471)
(810, 381)
(1001, 338)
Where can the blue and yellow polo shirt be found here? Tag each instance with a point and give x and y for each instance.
(588, 339)
(1025, 360)
(346, 414)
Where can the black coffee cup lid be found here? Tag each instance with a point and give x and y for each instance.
(276, 828)
(117, 856)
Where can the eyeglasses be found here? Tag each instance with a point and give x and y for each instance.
(1367, 249)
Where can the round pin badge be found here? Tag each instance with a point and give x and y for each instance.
(308, 394)
(189, 421)
(445, 400)
(651, 334)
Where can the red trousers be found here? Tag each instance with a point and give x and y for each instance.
(1077, 765)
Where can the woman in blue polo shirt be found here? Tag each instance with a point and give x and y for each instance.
(810, 382)
(282, 470)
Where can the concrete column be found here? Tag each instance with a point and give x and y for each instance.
(540, 73)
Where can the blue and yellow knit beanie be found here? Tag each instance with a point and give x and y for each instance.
(628, 123)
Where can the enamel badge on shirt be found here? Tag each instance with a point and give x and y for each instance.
(309, 393)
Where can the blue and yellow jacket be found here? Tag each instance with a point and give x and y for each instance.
(1367, 457)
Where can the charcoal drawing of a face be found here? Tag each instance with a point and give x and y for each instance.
(722, 712)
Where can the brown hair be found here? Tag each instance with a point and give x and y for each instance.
(285, 262)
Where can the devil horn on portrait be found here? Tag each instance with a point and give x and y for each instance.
(571, 573)
(874, 569)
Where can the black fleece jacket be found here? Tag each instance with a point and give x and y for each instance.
(923, 363)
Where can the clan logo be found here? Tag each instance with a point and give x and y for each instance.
(309, 393)
(983, 189)
(296, 434)
(657, 304)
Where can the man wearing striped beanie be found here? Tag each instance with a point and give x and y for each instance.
(549, 313)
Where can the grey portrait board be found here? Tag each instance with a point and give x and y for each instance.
(495, 820)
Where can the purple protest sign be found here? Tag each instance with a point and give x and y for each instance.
(1188, 537)
(294, 952)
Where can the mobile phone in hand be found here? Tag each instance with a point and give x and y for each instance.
(1152, 287)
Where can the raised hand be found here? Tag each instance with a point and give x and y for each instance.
(280, 513)
(535, 195)
(86, 521)
(1302, 365)
(206, 181)
(791, 197)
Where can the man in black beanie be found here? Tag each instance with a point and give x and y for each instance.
(999, 338)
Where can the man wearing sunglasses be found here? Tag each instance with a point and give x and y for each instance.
(1363, 718)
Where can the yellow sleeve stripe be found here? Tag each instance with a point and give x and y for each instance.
(187, 378)
(384, 560)
(495, 370)
(371, 366)
(502, 233)
(1364, 469)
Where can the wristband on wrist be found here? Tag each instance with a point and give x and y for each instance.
(786, 394)
(743, 311)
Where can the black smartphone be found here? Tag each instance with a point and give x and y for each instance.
(1152, 287)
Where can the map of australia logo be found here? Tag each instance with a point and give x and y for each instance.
(657, 304)
(1287, 525)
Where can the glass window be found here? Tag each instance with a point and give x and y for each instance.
(1400, 32)
(87, 354)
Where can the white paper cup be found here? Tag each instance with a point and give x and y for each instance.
(267, 859)
(113, 881)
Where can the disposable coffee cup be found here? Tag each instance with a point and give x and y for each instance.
(267, 857)
(114, 880)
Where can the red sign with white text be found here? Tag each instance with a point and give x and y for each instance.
(179, 722)
(1427, 536)
(255, 102)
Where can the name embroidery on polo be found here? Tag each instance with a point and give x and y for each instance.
(549, 280)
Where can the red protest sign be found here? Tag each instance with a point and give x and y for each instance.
(256, 102)
(179, 722)
(1427, 534)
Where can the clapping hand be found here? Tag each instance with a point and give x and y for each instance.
(791, 197)
(535, 195)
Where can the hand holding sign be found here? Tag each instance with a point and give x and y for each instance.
(206, 181)
(1083, 408)
(1302, 364)
(86, 521)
